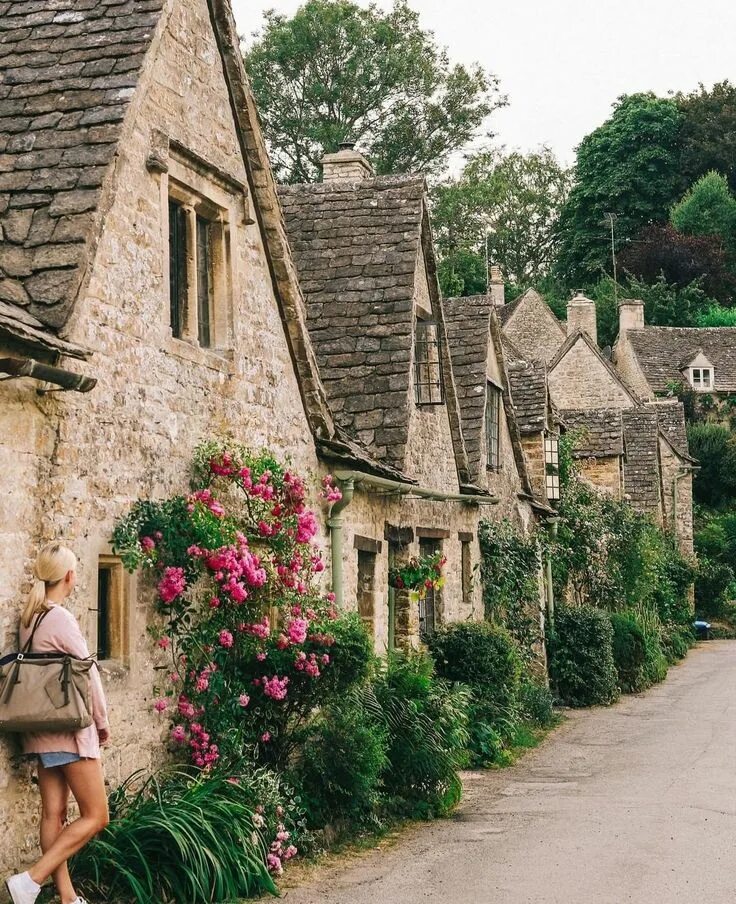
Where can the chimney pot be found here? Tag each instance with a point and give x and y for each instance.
(496, 287)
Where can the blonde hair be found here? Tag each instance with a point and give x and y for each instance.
(52, 565)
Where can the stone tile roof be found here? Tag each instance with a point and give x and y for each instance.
(467, 321)
(68, 71)
(505, 311)
(671, 419)
(356, 246)
(641, 463)
(664, 351)
(529, 395)
(581, 336)
(599, 431)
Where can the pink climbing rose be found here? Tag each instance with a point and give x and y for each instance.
(172, 584)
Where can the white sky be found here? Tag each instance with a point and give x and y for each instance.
(564, 62)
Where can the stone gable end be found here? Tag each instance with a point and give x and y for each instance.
(581, 380)
(534, 329)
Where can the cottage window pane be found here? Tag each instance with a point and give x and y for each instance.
(204, 281)
(552, 466)
(428, 386)
(177, 268)
(493, 407)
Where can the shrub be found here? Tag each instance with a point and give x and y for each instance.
(676, 640)
(426, 722)
(342, 761)
(714, 445)
(581, 663)
(483, 656)
(536, 704)
(185, 838)
(629, 652)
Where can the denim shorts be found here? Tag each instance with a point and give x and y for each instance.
(49, 760)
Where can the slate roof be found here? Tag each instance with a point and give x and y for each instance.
(467, 321)
(671, 419)
(529, 396)
(664, 351)
(505, 311)
(68, 70)
(356, 246)
(599, 431)
(641, 463)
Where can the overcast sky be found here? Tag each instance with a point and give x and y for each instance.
(563, 62)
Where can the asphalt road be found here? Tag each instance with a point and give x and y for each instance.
(632, 803)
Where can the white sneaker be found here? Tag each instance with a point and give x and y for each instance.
(22, 889)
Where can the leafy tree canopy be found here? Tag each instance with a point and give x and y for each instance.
(714, 446)
(503, 205)
(336, 73)
(708, 208)
(708, 136)
(629, 167)
(716, 316)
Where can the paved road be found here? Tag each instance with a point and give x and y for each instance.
(635, 803)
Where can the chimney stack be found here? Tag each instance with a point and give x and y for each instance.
(496, 288)
(581, 315)
(630, 316)
(347, 165)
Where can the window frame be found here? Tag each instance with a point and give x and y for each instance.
(493, 436)
(551, 450)
(436, 384)
(371, 558)
(429, 604)
(114, 616)
(700, 385)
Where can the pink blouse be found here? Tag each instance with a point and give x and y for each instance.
(60, 632)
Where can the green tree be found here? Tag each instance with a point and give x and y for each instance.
(714, 446)
(716, 315)
(336, 72)
(628, 166)
(708, 208)
(503, 205)
(708, 137)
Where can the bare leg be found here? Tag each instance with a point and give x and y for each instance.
(54, 804)
(85, 780)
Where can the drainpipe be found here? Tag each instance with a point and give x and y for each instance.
(552, 522)
(335, 524)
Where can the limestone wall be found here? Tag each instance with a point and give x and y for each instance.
(581, 380)
(626, 364)
(72, 464)
(603, 473)
(534, 329)
(677, 497)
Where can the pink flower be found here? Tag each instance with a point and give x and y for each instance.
(215, 602)
(160, 705)
(203, 683)
(174, 678)
(297, 630)
(306, 527)
(243, 700)
(290, 852)
(164, 643)
(148, 543)
(261, 656)
(266, 737)
(178, 734)
(274, 687)
(274, 864)
(226, 639)
(223, 467)
(233, 780)
(172, 584)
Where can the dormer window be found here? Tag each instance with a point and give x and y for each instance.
(428, 386)
(701, 378)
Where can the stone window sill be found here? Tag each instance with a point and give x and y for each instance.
(113, 668)
(213, 359)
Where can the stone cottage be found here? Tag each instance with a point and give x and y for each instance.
(664, 360)
(148, 300)
(625, 444)
(365, 258)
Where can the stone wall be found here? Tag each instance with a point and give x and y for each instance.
(677, 497)
(602, 473)
(534, 329)
(533, 446)
(72, 464)
(626, 364)
(581, 380)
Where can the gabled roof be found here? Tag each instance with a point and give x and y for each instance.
(529, 395)
(664, 351)
(68, 72)
(468, 334)
(581, 336)
(599, 432)
(641, 464)
(671, 419)
(357, 246)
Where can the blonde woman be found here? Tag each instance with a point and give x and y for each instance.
(67, 761)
